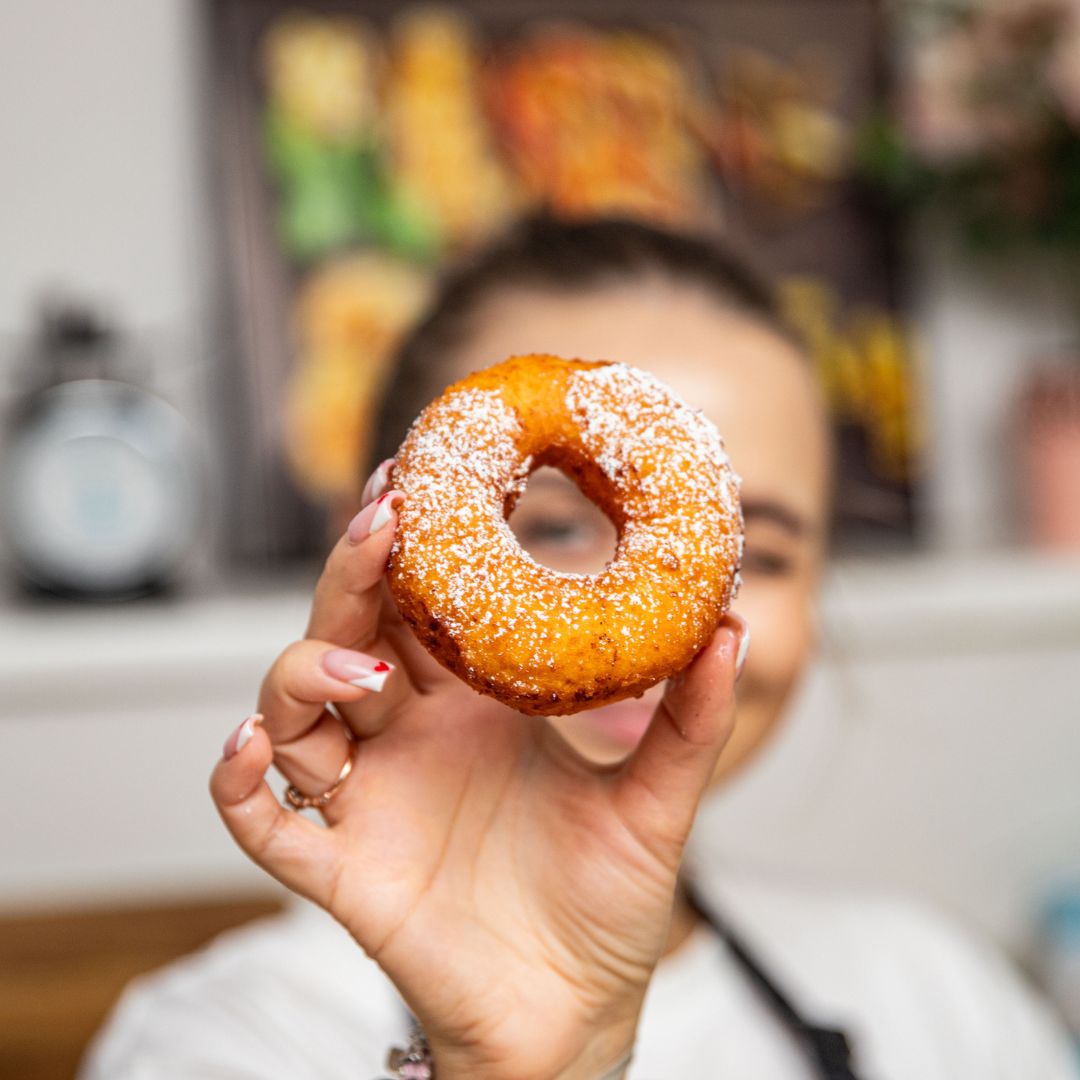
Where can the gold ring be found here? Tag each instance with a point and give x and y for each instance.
(297, 800)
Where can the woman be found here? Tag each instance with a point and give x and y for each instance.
(517, 883)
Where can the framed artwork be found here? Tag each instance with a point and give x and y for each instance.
(361, 145)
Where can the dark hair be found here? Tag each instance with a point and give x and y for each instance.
(543, 252)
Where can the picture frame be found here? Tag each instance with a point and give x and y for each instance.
(831, 246)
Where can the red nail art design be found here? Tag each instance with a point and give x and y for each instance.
(357, 668)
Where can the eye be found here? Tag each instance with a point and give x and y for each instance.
(552, 529)
(766, 563)
(570, 535)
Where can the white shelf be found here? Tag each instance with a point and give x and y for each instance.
(184, 646)
(163, 649)
(1005, 599)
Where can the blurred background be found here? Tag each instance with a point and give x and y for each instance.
(218, 217)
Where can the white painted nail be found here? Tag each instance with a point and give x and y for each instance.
(357, 669)
(374, 681)
(744, 648)
(377, 482)
(241, 736)
(247, 731)
(383, 514)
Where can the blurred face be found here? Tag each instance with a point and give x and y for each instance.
(758, 391)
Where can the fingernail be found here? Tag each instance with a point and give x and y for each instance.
(357, 668)
(241, 736)
(377, 482)
(744, 643)
(374, 516)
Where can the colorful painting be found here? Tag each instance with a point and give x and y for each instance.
(366, 144)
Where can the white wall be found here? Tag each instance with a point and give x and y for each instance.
(101, 153)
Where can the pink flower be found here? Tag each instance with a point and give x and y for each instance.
(981, 86)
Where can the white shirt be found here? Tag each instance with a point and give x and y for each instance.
(293, 998)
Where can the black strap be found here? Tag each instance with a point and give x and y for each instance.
(827, 1048)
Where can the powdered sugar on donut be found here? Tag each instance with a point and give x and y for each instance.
(627, 415)
(463, 454)
(483, 605)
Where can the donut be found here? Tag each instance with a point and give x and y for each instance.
(543, 642)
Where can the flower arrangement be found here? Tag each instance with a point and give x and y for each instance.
(986, 121)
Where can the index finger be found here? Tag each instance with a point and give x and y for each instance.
(345, 609)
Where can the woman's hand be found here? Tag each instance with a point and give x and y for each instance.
(518, 896)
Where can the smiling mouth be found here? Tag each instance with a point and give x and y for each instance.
(623, 722)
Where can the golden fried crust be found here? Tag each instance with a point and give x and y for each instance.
(544, 642)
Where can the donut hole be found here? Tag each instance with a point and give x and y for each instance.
(560, 527)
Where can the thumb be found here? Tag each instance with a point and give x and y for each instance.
(659, 786)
